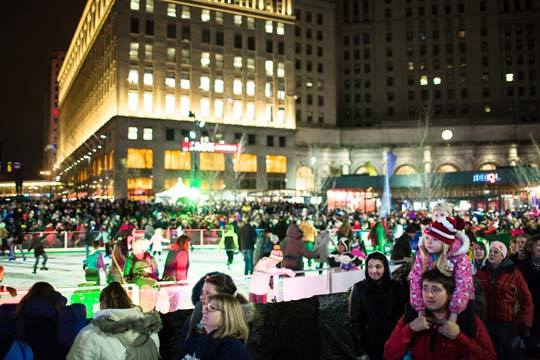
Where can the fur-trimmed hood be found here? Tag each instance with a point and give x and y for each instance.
(131, 326)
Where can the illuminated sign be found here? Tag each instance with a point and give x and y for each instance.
(486, 178)
(199, 146)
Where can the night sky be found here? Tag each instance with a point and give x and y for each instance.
(31, 30)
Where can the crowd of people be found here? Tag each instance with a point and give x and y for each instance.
(466, 285)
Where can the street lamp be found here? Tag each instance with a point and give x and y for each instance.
(447, 134)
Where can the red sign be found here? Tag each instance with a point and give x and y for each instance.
(210, 147)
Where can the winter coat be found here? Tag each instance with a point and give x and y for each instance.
(229, 240)
(206, 347)
(113, 331)
(177, 264)
(505, 288)
(137, 271)
(308, 232)
(345, 260)
(50, 335)
(294, 249)
(462, 272)
(248, 236)
(532, 277)
(403, 339)
(157, 241)
(374, 309)
(402, 247)
(37, 245)
(321, 245)
(94, 261)
(264, 270)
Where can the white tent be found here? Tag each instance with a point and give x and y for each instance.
(170, 196)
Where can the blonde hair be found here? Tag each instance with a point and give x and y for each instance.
(233, 323)
(441, 262)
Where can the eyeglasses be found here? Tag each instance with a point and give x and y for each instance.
(210, 308)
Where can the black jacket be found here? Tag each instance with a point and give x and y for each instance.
(248, 236)
(375, 309)
(402, 247)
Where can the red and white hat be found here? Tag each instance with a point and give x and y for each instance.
(445, 229)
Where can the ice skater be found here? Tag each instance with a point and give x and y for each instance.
(39, 251)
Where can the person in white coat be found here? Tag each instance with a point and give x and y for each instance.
(157, 241)
(119, 331)
(265, 269)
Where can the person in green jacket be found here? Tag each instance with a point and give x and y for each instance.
(377, 236)
(93, 263)
(230, 240)
(141, 267)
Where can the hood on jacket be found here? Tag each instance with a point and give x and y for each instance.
(293, 231)
(131, 326)
(386, 278)
(343, 241)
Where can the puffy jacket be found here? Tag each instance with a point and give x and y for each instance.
(294, 249)
(403, 339)
(112, 331)
(462, 271)
(177, 264)
(504, 288)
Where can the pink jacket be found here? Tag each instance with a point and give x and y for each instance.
(462, 272)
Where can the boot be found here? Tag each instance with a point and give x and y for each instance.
(44, 268)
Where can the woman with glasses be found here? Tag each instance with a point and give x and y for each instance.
(225, 332)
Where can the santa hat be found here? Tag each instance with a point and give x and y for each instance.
(276, 253)
(499, 246)
(445, 229)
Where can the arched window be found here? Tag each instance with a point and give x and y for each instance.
(405, 170)
(488, 167)
(367, 169)
(447, 168)
(304, 179)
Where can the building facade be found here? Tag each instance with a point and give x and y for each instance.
(266, 94)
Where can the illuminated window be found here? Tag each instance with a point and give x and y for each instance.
(276, 164)
(281, 115)
(405, 170)
(218, 109)
(205, 59)
(148, 78)
(177, 160)
(148, 52)
(238, 20)
(133, 51)
(186, 56)
(186, 13)
(237, 87)
(447, 168)
(133, 76)
(280, 29)
(268, 89)
(250, 88)
(487, 108)
(305, 179)
(461, 34)
(133, 133)
(436, 80)
(251, 23)
(169, 104)
(509, 77)
(133, 100)
(269, 67)
(237, 63)
(150, 6)
(219, 61)
(140, 183)
(205, 83)
(135, 4)
(147, 134)
(169, 79)
(250, 111)
(269, 115)
(205, 107)
(139, 158)
(171, 54)
(268, 27)
(171, 10)
(280, 69)
(205, 15)
(237, 109)
(488, 167)
(281, 91)
(219, 17)
(245, 163)
(184, 81)
(212, 161)
(184, 105)
(423, 80)
(218, 85)
(250, 65)
(147, 102)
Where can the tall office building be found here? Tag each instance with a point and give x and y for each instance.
(51, 125)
